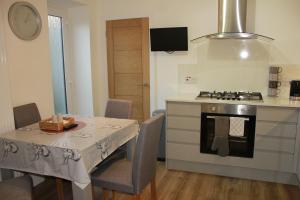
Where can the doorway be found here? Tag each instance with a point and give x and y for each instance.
(128, 63)
(58, 64)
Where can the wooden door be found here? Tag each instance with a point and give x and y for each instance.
(128, 63)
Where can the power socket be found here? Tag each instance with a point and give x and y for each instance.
(189, 80)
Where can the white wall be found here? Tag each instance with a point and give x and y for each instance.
(81, 60)
(275, 18)
(6, 115)
(29, 64)
(67, 3)
(25, 73)
(98, 54)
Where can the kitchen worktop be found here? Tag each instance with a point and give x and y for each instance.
(267, 101)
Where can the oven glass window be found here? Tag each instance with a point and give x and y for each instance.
(241, 146)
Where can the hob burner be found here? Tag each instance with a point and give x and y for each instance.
(244, 96)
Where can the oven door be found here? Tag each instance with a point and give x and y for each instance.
(241, 146)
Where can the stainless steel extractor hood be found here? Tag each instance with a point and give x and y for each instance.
(232, 22)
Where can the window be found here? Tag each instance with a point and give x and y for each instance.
(58, 65)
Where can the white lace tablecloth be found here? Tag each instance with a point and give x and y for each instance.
(69, 155)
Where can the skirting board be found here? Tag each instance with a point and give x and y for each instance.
(237, 172)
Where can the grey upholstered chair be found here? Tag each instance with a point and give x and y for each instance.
(121, 109)
(26, 115)
(117, 108)
(16, 189)
(132, 177)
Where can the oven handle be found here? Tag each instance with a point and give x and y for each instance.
(212, 117)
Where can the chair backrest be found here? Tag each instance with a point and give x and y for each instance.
(26, 115)
(144, 163)
(117, 108)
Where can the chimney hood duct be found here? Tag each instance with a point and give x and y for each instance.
(232, 22)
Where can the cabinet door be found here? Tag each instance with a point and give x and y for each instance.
(289, 115)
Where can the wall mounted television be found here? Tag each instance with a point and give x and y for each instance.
(169, 39)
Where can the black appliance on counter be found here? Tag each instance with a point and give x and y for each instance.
(241, 146)
(295, 90)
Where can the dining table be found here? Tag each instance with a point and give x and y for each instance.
(72, 155)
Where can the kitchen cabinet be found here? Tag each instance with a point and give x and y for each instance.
(275, 151)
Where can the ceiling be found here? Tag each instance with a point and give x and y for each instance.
(66, 3)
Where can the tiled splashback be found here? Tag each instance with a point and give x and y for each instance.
(233, 65)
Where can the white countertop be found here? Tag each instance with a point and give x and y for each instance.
(267, 101)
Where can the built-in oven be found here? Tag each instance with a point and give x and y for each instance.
(241, 141)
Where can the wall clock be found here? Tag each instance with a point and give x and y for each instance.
(24, 20)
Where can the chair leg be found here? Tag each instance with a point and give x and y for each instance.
(59, 189)
(136, 197)
(93, 192)
(105, 194)
(153, 190)
(113, 195)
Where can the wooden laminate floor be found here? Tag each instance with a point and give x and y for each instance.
(178, 185)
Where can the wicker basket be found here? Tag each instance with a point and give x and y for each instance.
(49, 125)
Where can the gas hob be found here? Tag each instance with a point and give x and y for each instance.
(237, 96)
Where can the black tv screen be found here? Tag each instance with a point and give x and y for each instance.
(169, 39)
